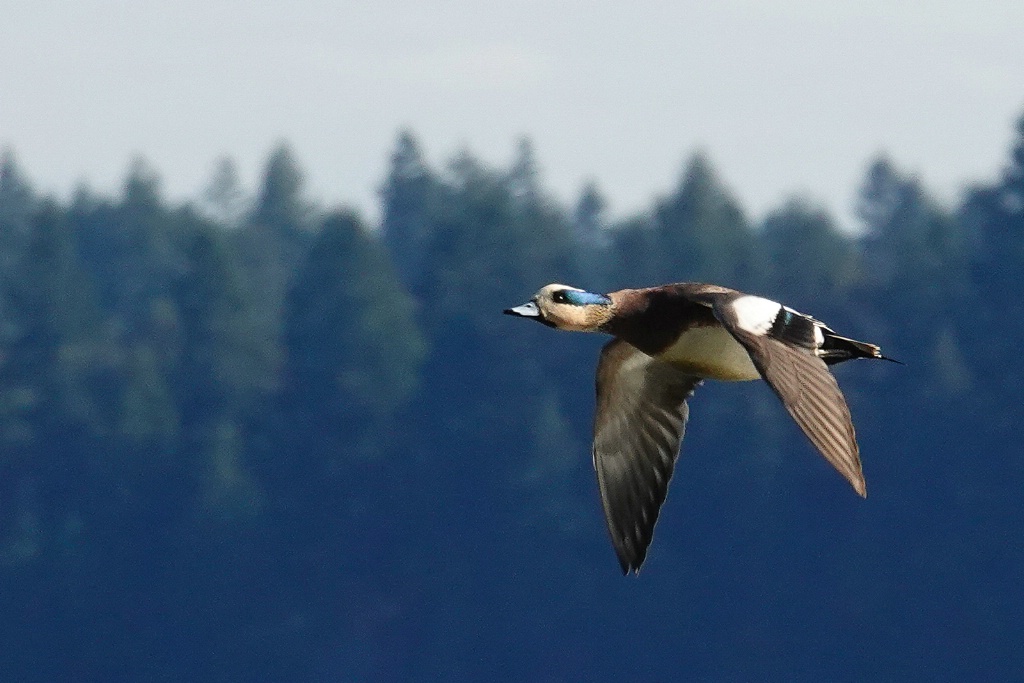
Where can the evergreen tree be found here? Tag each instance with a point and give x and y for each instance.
(589, 217)
(524, 175)
(497, 239)
(634, 259)
(224, 199)
(50, 413)
(591, 239)
(996, 214)
(147, 417)
(17, 202)
(128, 247)
(220, 363)
(698, 232)
(879, 195)
(280, 205)
(406, 204)
(536, 216)
(993, 215)
(353, 348)
(490, 245)
(270, 247)
(1013, 174)
(810, 260)
(911, 246)
(54, 318)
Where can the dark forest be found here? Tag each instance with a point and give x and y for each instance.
(248, 437)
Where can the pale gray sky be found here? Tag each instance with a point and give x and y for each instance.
(787, 97)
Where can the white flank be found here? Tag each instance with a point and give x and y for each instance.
(712, 353)
(754, 314)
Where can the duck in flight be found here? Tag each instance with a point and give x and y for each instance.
(667, 340)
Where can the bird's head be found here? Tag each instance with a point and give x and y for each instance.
(566, 308)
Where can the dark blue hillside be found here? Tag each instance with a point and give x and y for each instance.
(300, 448)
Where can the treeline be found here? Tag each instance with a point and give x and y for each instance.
(250, 438)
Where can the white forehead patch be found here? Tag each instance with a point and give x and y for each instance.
(754, 314)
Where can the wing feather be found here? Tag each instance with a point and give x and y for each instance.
(638, 428)
(807, 389)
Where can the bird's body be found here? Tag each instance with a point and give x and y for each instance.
(668, 339)
(710, 352)
(679, 324)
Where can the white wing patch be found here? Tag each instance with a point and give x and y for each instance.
(819, 336)
(754, 314)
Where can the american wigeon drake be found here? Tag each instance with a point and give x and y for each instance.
(667, 340)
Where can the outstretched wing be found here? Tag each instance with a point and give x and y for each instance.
(783, 345)
(638, 427)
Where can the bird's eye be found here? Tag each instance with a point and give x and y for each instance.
(559, 297)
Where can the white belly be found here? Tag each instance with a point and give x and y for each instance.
(713, 353)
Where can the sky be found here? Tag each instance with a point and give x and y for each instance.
(788, 98)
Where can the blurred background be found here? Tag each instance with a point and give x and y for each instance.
(261, 417)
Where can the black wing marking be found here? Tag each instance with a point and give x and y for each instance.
(806, 387)
(638, 428)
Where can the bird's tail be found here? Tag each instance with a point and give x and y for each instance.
(837, 349)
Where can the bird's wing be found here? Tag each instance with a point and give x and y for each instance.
(782, 347)
(638, 427)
